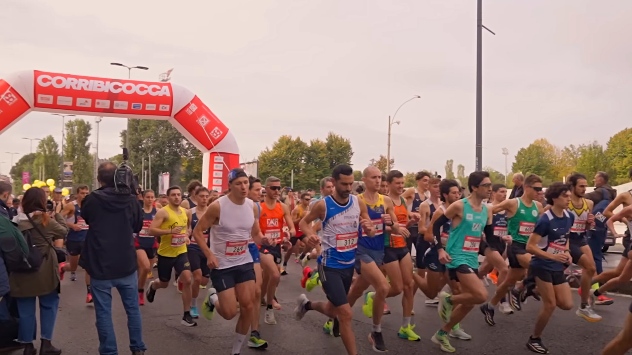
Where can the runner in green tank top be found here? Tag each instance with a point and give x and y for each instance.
(522, 214)
(470, 217)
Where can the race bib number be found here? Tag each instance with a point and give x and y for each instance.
(82, 224)
(379, 227)
(346, 242)
(144, 233)
(526, 228)
(273, 234)
(500, 231)
(236, 248)
(556, 248)
(578, 227)
(471, 244)
(178, 240)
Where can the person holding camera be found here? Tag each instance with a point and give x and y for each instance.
(109, 256)
(42, 285)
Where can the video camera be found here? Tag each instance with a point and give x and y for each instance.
(125, 182)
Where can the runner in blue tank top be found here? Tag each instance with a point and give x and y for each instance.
(341, 214)
(199, 268)
(370, 251)
(77, 231)
(549, 245)
(470, 219)
(146, 245)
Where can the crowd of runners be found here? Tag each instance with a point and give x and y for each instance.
(355, 246)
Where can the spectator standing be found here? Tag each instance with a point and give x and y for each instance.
(518, 189)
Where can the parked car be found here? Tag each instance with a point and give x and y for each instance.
(611, 240)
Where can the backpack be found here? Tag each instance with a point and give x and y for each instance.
(600, 219)
(18, 251)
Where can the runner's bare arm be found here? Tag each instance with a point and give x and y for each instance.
(365, 221)
(208, 219)
(541, 208)
(591, 217)
(294, 214)
(185, 204)
(395, 228)
(256, 234)
(509, 206)
(454, 212)
(409, 194)
(625, 213)
(318, 211)
(288, 220)
(428, 235)
(158, 205)
(424, 213)
(154, 228)
(620, 199)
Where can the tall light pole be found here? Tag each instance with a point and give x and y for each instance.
(391, 122)
(506, 153)
(12, 154)
(63, 136)
(479, 83)
(32, 139)
(129, 76)
(97, 121)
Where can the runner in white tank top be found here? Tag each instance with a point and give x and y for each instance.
(234, 220)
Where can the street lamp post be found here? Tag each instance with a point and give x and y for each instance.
(506, 153)
(63, 135)
(97, 120)
(32, 139)
(479, 83)
(129, 76)
(12, 154)
(391, 122)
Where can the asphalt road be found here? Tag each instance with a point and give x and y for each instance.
(566, 334)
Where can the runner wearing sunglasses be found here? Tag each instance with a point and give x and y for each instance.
(522, 214)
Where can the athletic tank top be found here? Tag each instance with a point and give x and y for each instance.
(172, 245)
(340, 233)
(375, 214)
(401, 212)
(78, 236)
(229, 238)
(521, 225)
(143, 239)
(465, 239)
(194, 220)
(191, 203)
(414, 206)
(499, 222)
(271, 221)
(301, 213)
(578, 229)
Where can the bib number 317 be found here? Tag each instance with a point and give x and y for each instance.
(346, 242)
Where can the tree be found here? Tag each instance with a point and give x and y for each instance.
(77, 150)
(48, 160)
(534, 159)
(449, 169)
(167, 147)
(381, 164)
(338, 150)
(409, 180)
(460, 174)
(286, 155)
(619, 154)
(357, 175)
(495, 176)
(25, 163)
(592, 158)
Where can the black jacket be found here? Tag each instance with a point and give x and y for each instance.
(517, 191)
(109, 252)
(5, 210)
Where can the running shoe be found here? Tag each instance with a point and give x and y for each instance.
(367, 307)
(187, 320)
(458, 333)
(445, 307)
(408, 333)
(536, 345)
(194, 312)
(488, 312)
(256, 342)
(442, 339)
(377, 341)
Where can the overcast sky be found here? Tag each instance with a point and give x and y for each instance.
(556, 69)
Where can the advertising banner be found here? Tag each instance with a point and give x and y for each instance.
(12, 105)
(68, 171)
(26, 177)
(102, 95)
(163, 183)
(201, 123)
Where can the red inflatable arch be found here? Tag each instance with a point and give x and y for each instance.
(26, 91)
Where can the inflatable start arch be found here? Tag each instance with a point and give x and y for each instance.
(23, 92)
